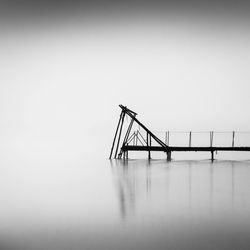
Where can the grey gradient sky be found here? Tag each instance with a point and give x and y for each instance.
(66, 65)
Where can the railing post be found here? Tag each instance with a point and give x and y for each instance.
(233, 139)
(190, 133)
(211, 138)
(167, 138)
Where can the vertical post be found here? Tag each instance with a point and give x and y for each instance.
(212, 155)
(168, 155)
(233, 139)
(211, 138)
(167, 138)
(190, 133)
(136, 138)
(168, 152)
(149, 153)
(115, 135)
(211, 145)
(118, 142)
(148, 143)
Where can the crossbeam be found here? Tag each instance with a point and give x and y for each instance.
(183, 149)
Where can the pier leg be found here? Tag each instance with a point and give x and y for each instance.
(149, 145)
(110, 156)
(212, 156)
(120, 132)
(149, 152)
(169, 156)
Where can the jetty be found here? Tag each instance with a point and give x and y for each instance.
(145, 140)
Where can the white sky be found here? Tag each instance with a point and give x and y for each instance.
(65, 80)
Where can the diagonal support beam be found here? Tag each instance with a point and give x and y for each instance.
(113, 144)
(127, 138)
(120, 132)
(144, 127)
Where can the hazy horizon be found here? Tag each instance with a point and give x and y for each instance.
(65, 67)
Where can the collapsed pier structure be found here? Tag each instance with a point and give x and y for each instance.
(137, 142)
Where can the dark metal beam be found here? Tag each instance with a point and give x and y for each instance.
(118, 142)
(110, 156)
(183, 149)
(145, 128)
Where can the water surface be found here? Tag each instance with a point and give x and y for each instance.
(134, 204)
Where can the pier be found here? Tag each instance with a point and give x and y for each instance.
(145, 140)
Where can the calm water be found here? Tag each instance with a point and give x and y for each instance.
(135, 204)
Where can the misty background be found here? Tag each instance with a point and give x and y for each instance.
(66, 65)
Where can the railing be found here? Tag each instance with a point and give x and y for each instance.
(205, 138)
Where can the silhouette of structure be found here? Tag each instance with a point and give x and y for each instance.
(137, 142)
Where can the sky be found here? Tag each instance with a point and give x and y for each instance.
(67, 65)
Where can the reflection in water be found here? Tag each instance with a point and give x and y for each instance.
(153, 205)
(127, 184)
(211, 188)
(232, 174)
(202, 187)
(126, 187)
(192, 204)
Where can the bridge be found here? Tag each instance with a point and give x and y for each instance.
(145, 140)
